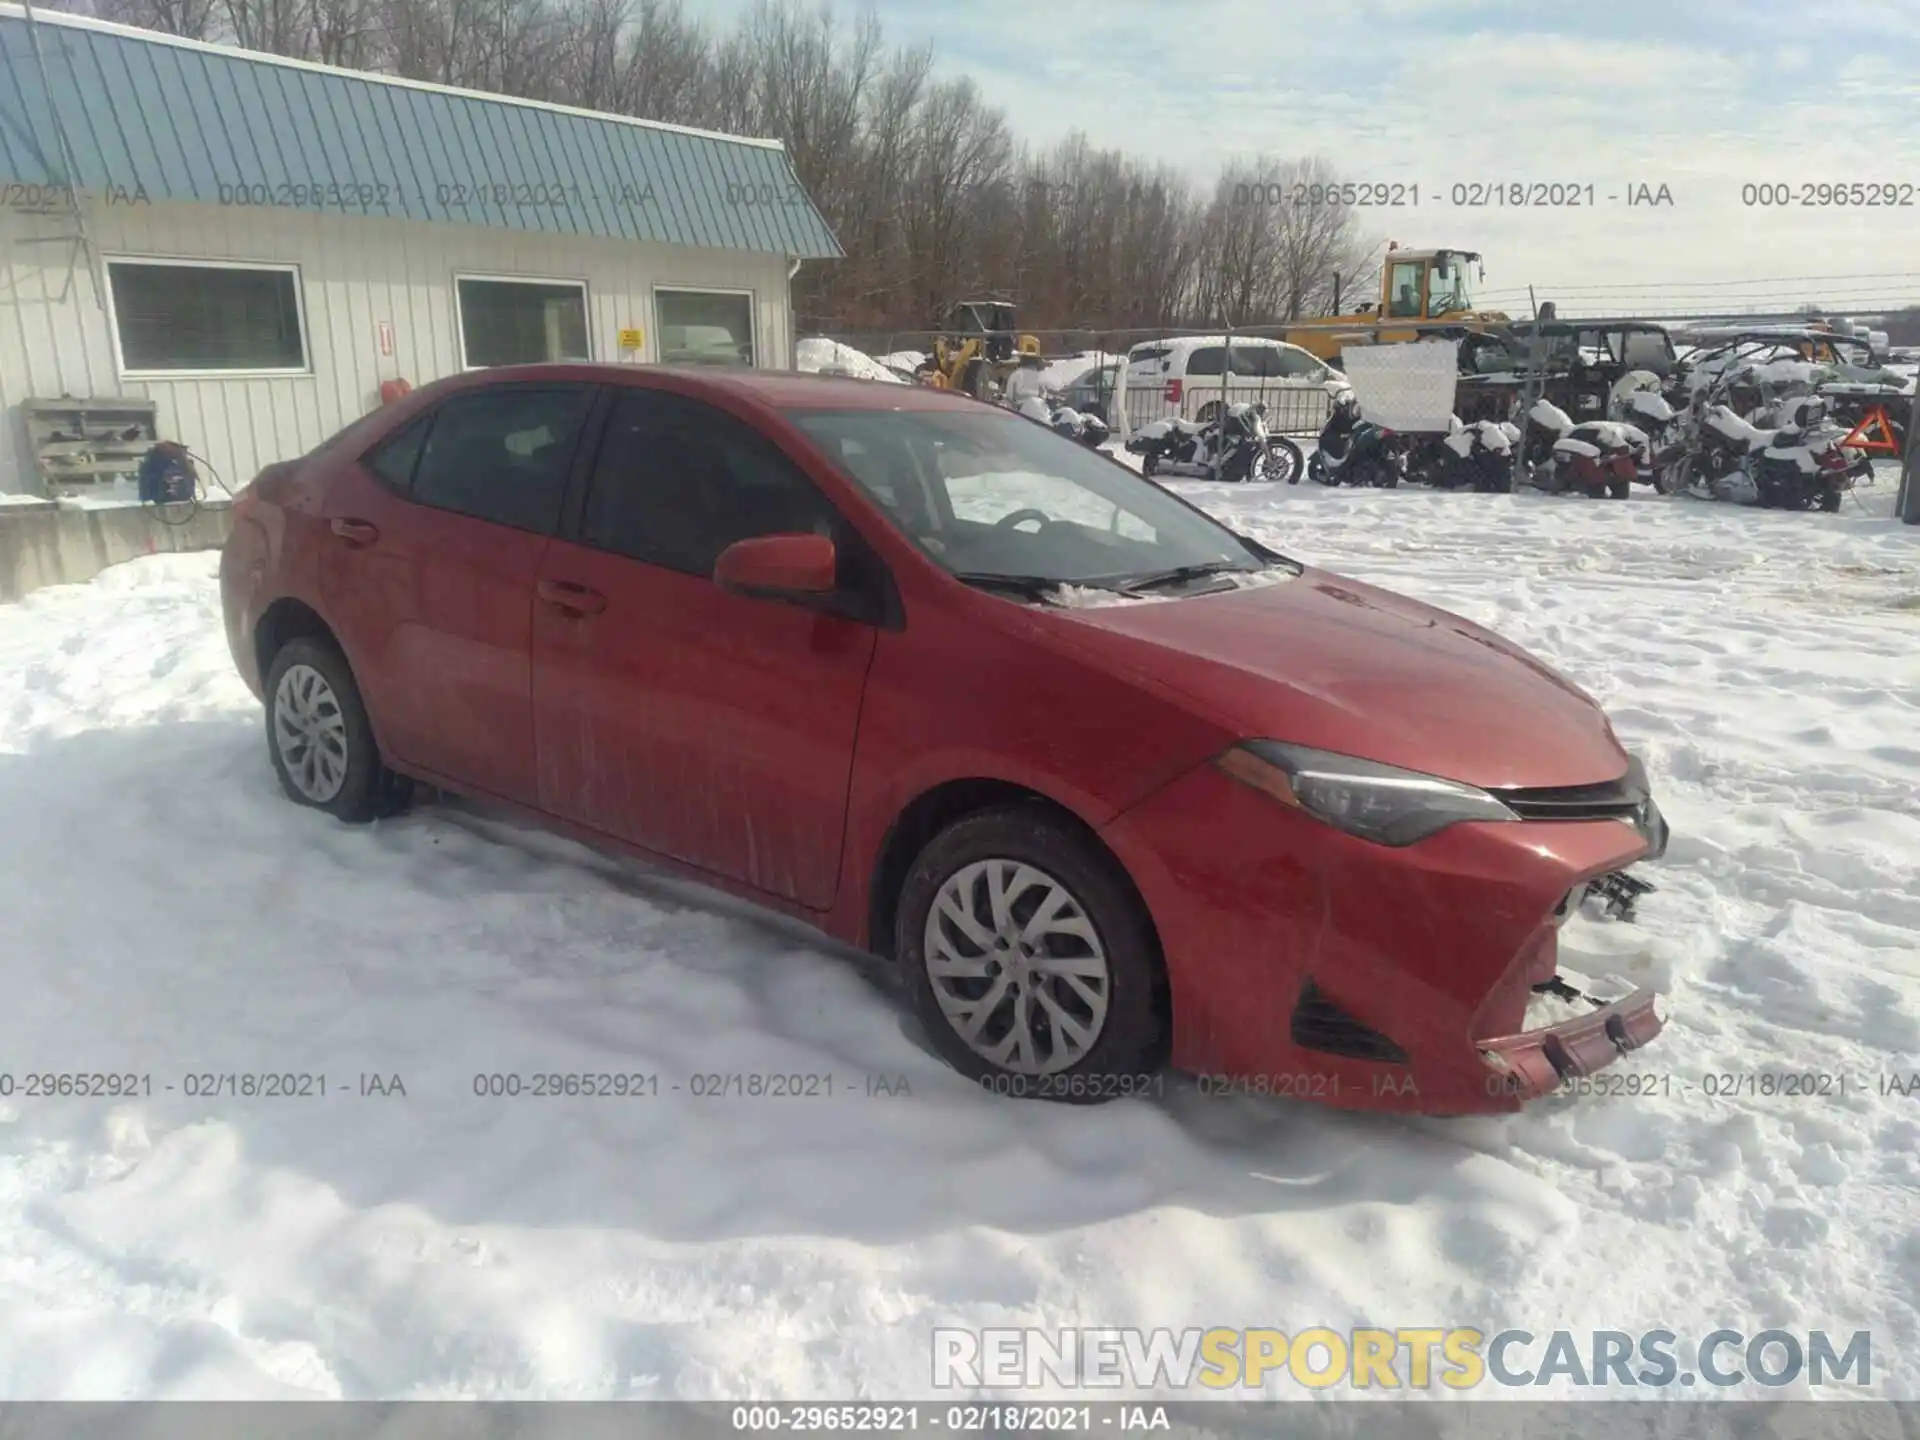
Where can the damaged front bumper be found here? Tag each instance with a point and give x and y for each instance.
(1533, 1063)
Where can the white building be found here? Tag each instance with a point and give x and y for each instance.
(258, 245)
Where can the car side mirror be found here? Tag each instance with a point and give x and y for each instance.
(798, 567)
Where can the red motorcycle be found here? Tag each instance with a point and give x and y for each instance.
(1599, 458)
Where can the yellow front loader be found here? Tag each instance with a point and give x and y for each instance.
(1419, 286)
(980, 348)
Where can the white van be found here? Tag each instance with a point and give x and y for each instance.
(1182, 376)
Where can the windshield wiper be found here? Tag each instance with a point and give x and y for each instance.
(1030, 587)
(1181, 574)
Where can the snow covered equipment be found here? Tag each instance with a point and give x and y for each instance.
(166, 475)
(1804, 465)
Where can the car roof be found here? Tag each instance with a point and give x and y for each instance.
(1193, 342)
(779, 389)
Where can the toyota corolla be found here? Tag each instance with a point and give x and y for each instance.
(1113, 786)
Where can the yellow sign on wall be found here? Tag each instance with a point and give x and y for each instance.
(631, 339)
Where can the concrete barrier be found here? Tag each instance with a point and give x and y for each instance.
(47, 544)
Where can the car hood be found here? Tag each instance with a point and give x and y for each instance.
(1324, 661)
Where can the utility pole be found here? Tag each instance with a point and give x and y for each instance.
(1907, 507)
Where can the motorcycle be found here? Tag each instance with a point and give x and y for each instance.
(1063, 420)
(1483, 455)
(1803, 465)
(1478, 457)
(1546, 425)
(1353, 451)
(1089, 430)
(1639, 404)
(1235, 447)
(1718, 450)
(1601, 457)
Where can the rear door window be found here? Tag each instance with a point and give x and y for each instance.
(394, 460)
(503, 453)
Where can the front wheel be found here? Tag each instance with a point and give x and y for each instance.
(320, 739)
(1031, 961)
(1284, 461)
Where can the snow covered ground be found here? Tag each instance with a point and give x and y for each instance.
(168, 915)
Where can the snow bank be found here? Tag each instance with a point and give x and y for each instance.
(831, 357)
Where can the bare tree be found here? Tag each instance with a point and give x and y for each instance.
(925, 185)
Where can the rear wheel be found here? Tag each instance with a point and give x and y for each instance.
(1830, 501)
(1619, 489)
(1030, 959)
(320, 739)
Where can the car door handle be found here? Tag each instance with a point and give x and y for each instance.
(356, 532)
(569, 598)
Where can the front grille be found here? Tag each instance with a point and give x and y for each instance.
(1319, 1024)
(1620, 799)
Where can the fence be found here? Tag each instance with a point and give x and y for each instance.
(1295, 404)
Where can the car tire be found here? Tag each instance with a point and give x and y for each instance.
(1102, 929)
(320, 740)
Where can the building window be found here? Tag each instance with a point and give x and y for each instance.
(705, 327)
(178, 317)
(521, 322)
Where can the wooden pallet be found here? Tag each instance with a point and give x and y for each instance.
(88, 442)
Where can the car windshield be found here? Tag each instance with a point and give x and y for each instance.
(991, 495)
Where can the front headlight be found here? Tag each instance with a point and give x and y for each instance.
(1382, 803)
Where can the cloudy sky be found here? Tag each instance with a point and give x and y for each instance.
(1702, 96)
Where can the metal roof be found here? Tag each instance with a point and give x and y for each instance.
(187, 121)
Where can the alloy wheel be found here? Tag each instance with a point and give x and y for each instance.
(1017, 966)
(310, 732)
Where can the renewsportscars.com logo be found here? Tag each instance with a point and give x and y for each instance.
(1457, 1358)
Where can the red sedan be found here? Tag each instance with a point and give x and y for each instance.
(1112, 785)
